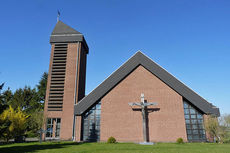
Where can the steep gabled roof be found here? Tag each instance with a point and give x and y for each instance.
(140, 59)
(63, 33)
(62, 28)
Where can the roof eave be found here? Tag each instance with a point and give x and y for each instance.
(69, 39)
(155, 69)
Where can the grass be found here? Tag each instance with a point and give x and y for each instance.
(72, 147)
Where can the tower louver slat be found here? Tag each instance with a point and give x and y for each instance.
(55, 100)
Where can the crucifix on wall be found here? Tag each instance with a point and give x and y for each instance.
(144, 109)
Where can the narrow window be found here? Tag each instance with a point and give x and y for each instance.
(91, 124)
(53, 128)
(194, 123)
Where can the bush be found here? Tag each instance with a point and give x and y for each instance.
(111, 140)
(226, 140)
(180, 140)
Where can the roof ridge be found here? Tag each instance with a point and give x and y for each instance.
(125, 69)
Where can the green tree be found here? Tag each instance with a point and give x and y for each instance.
(1, 100)
(34, 123)
(224, 130)
(5, 97)
(15, 123)
(41, 87)
(36, 120)
(4, 128)
(26, 99)
(212, 127)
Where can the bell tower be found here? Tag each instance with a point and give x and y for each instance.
(66, 80)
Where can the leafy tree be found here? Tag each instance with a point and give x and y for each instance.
(227, 120)
(41, 87)
(224, 130)
(34, 123)
(5, 97)
(36, 119)
(1, 100)
(212, 127)
(26, 99)
(14, 123)
(4, 128)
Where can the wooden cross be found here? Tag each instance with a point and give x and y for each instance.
(144, 109)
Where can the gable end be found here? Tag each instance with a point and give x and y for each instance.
(140, 59)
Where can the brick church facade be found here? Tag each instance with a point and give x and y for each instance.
(105, 112)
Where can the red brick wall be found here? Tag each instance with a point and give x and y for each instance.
(66, 114)
(69, 92)
(78, 128)
(120, 121)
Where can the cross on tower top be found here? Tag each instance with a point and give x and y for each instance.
(58, 15)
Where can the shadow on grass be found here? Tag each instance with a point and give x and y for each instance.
(35, 147)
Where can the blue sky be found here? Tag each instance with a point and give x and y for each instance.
(190, 39)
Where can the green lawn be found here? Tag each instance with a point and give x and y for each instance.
(70, 147)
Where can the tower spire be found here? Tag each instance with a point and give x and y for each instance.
(58, 15)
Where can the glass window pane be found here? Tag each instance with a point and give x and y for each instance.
(98, 106)
(195, 137)
(186, 111)
(192, 111)
(188, 126)
(200, 126)
(189, 131)
(194, 121)
(199, 116)
(186, 116)
(98, 112)
(202, 132)
(185, 105)
(195, 131)
(204, 136)
(90, 112)
(194, 126)
(193, 116)
(190, 137)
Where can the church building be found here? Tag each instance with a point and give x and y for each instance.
(139, 102)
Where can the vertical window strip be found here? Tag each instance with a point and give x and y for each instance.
(194, 123)
(91, 124)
